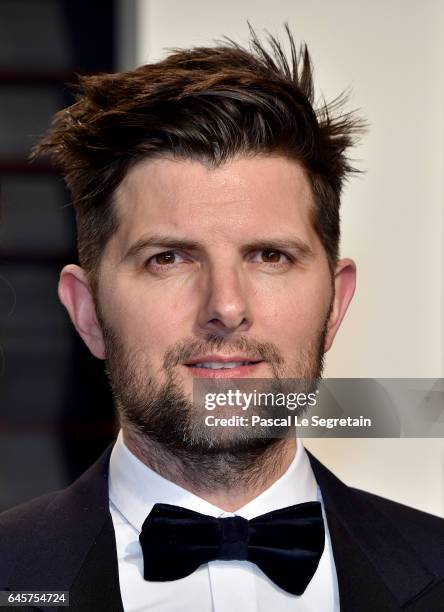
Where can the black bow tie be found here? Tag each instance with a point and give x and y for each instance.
(286, 544)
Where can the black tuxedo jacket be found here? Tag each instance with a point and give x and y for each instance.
(388, 556)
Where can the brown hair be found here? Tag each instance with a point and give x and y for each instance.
(208, 104)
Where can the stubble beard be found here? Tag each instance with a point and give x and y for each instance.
(166, 431)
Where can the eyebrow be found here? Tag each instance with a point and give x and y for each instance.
(160, 240)
(302, 249)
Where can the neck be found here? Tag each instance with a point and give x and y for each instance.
(227, 480)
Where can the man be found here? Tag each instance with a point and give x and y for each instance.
(207, 194)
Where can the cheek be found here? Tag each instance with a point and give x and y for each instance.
(297, 315)
(151, 324)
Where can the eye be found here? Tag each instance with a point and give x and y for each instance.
(165, 259)
(271, 256)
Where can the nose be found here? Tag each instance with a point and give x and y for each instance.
(224, 307)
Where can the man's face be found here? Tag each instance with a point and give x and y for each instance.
(213, 273)
(227, 252)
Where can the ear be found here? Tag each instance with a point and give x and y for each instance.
(344, 285)
(75, 294)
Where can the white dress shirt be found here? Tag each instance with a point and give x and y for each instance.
(218, 586)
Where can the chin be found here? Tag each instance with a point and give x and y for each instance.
(228, 445)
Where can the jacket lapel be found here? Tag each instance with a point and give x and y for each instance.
(377, 568)
(97, 583)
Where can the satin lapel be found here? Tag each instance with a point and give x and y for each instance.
(96, 587)
(361, 587)
(72, 546)
(377, 569)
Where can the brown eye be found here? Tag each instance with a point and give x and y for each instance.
(271, 256)
(166, 258)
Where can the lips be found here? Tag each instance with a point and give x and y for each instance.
(222, 366)
(219, 365)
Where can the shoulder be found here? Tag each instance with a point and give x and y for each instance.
(32, 534)
(17, 521)
(86, 493)
(406, 514)
(423, 531)
(404, 541)
(352, 501)
(17, 526)
(23, 513)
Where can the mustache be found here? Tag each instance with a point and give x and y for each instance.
(189, 348)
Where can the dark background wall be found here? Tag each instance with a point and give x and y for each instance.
(56, 412)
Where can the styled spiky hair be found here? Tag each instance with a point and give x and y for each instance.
(205, 103)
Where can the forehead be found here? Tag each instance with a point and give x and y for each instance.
(241, 197)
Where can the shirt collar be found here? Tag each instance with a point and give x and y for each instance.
(134, 488)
